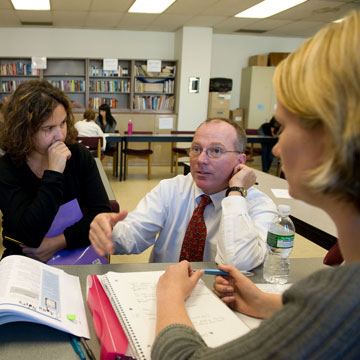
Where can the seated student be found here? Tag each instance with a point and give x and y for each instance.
(42, 169)
(88, 127)
(319, 317)
(271, 128)
(106, 122)
(235, 226)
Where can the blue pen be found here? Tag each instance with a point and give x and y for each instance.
(77, 347)
(224, 273)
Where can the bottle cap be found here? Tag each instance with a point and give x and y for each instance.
(284, 209)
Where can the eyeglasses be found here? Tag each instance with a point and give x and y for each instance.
(212, 152)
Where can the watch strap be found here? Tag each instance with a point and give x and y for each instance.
(241, 190)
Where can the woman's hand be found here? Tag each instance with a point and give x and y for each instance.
(58, 154)
(242, 295)
(178, 281)
(47, 248)
(173, 287)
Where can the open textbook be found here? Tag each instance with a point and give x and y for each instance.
(133, 297)
(35, 292)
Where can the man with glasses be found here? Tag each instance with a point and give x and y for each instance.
(236, 216)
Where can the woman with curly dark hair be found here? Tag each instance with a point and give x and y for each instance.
(42, 169)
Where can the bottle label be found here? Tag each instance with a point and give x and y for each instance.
(280, 241)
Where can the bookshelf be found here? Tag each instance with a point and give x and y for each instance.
(154, 91)
(13, 72)
(70, 76)
(130, 89)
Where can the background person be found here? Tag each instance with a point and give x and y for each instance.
(319, 147)
(236, 227)
(271, 128)
(88, 128)
(42, 169)
(106, 122)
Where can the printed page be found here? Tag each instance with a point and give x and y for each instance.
(134, 296)
(33, 291)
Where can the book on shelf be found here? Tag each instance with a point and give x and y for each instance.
(133, 297)
(95, 102)
(35, 292)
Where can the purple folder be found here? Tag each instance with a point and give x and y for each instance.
(67, 215)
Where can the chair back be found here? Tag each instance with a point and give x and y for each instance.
(180, 132)
(92, 143)
(252, 131)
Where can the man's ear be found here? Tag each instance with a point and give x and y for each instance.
(241, 159)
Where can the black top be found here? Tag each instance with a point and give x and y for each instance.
(29, 204)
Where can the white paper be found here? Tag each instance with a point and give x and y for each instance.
(110, 64)
(39, 62)
(166, 123)
(281, 193)
(153, 66)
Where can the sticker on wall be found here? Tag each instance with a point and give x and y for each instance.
(260, 107)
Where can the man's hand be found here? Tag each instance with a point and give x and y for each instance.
(47, 248)
(243, 176)
(101, 231)
(58, 154)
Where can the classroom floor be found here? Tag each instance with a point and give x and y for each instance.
(129, 192)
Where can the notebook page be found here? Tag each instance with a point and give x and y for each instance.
(133, 296)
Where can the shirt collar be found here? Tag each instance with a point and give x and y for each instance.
(215, 198)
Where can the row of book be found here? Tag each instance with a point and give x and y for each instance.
(166, 71)
(18, 68)
(9, 85)
(122, 86)
(69, 85)
(96, 71)
(153, 102)
(166, 86)
(95, 102)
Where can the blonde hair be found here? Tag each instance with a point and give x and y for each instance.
(320, 82)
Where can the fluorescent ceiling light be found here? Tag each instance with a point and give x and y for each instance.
(268, 8)
(150, 6)
(339, 20)
(31, 4)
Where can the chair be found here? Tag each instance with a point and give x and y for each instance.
(139, 153)
(251, 150)
(113, 152)
(178, 151)
(93, 143)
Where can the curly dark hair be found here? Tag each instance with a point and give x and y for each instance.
(29, 106)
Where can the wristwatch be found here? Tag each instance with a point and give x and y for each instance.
(241, 190)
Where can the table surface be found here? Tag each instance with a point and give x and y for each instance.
(310, 221)
(31, 341)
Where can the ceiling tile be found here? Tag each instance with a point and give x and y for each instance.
(70, 19)
(71, 5)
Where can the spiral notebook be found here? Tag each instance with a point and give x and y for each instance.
(133, 297)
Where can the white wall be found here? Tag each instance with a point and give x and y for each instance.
(230, 53)
(87, 43)
(193, 47)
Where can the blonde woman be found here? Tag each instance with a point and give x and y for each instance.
(318, 90)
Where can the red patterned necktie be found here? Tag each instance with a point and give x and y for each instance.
(194, 241)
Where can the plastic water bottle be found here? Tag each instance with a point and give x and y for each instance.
(130, 127)
(280, 241)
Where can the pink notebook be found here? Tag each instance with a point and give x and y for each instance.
(113, 341)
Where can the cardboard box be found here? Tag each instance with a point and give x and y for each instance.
(219, 100)
(276, 58)
(238, 116)
(258, 60)
(218, 113)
